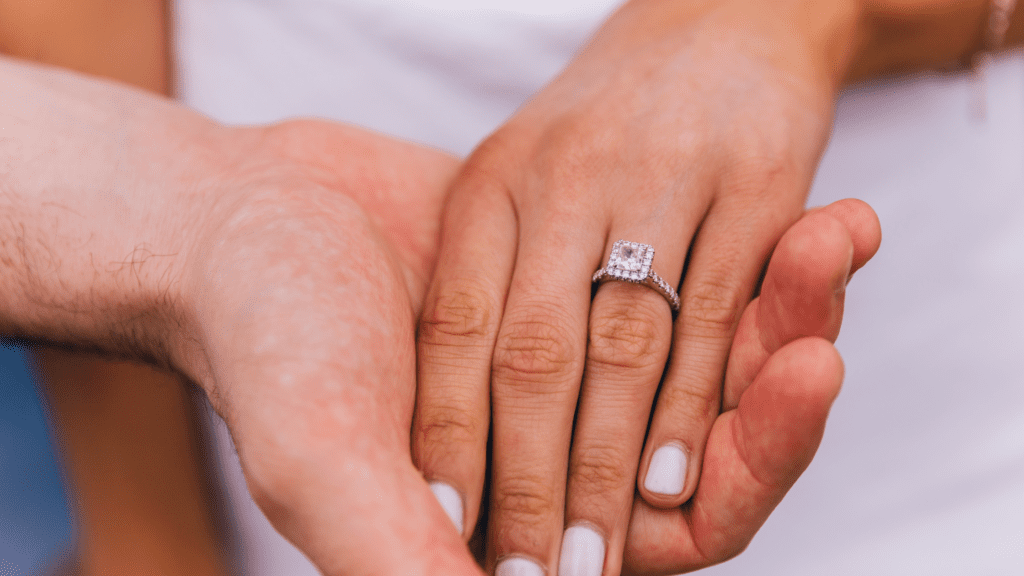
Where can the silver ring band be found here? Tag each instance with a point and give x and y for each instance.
(631, 262)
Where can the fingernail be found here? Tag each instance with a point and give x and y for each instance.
(450, 500)
(518, 566)
(667, 472)
(582, 552)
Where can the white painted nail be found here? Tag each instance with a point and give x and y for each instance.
(450, 500)
(518, 566)
(667, 472)
(582, 552)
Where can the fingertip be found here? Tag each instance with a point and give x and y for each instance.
(863, 225)
(519, 566)
(803, 289)
(817, 248)
(583, 552)
(663, 482)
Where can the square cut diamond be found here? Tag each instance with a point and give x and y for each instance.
(630, 260)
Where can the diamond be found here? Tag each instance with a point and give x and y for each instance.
(632, 259)
(631, 262)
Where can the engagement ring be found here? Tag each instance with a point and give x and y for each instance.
(631, 262)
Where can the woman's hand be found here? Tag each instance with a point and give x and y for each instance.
(691, 127)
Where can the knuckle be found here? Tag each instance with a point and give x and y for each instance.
(533, 349)
(600, 471)
(712, 307)
(458, 314)
(629, 334)
(576, 152)
(288, 132)
(496, 147)
(759, 187)
(695, 406)
(481, 176)
(523, 501)
(447, 430)
(759, 173)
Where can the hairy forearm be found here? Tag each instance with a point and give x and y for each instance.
(90, 243)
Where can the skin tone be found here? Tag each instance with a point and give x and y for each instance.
(219, 253)
(127, 432)
(268, 265)
(694, 127)
(238, 248)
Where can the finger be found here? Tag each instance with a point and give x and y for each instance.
(456, 336)
(804, 287)
(754, 455)
(403, 530)
(863, 226)
(629, 336)
(538, 364)
(725, 261)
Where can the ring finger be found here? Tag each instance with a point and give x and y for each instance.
(629, 339)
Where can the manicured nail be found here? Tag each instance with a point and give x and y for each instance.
(582, 552)
(667, 472)
(518, 566)
(450, 500)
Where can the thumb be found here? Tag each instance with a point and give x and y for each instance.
(361, 516)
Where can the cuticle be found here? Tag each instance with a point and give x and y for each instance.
(504, 557)
(451, 485)
(588, 524)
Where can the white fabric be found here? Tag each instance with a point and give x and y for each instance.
(922, 468)
(428, 74)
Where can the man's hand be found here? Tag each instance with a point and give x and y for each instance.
(310, 287)
(279, 268)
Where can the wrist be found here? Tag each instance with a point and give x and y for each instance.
(899, 36)
(907, 35)
(96, 184)
(812, 40)
(809, 38)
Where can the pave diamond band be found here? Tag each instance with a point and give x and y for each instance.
(631, 262)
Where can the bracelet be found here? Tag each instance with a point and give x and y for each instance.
(992, 39)
(999, 13)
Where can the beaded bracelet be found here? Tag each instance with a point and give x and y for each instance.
(999, 14)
